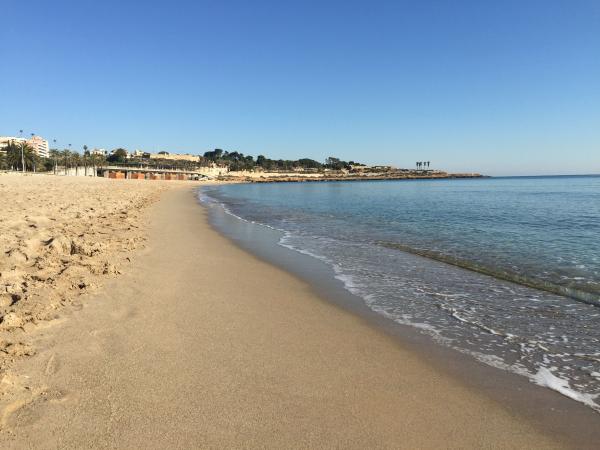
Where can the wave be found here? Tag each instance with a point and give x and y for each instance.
(502, 274)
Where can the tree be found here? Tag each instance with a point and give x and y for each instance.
(20, 156)
(76, 161)
(55, 156)
(85, 158)
(66, 156)
(335, 163)
(3, 165)
(308, 163)
(118, 156)
(97, 161)
(215, 155)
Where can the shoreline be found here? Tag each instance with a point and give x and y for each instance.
(550, 410)
(200, 343)
(287, 178)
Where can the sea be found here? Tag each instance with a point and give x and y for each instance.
(506, 270)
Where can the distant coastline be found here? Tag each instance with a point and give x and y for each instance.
(286, 177)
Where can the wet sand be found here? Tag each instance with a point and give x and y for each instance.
(199, 344)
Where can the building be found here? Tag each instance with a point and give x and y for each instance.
(174, 156)
(37, 143)
(99, 151)
(5, 140)
(39, 146)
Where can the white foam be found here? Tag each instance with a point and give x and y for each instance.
(544, 377)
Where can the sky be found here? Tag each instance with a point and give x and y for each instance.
(496, 87)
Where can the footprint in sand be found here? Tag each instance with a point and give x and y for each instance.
(52, 365)
(27, 411)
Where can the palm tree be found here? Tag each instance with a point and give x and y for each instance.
(94, 161)
(54, 155)
(100, 162)
(66, 155)
(76, 160)
(2, 161)
(20, 154)
(86, 155)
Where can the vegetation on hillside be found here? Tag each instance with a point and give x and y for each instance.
(238, 161)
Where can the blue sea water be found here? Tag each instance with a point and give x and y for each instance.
(504, 269)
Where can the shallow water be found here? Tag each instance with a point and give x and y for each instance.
(542, 231)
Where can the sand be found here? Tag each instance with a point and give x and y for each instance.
(197, 344)
(59, 238)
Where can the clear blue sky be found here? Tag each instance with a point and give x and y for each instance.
(500, 87)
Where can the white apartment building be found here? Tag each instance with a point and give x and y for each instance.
(5, 140)
(37, 143)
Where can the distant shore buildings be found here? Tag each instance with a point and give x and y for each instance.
(164, 155)
(37, 143)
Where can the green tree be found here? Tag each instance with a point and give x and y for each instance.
(18, 154)
(76, 161)
(335, 163)
(66, 157)
(309, 163)
(54, 157)
(85, 158)
(47, 164)
(118, 156)
(97, 161)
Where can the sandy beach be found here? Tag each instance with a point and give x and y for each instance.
(142, 327)
(61, 238)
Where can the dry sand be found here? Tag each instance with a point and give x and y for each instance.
(59, 238)
(200, 345)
